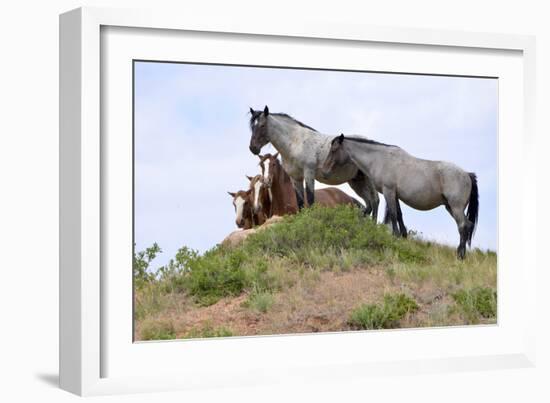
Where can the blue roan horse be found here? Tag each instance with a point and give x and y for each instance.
(303, 151)
(419, 183)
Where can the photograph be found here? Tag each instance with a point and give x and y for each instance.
(275, 200)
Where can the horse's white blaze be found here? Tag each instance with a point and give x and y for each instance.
(257, 187)
(266, 169)
(239, 206)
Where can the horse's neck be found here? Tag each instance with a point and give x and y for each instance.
(282, 192)
(368, 155)
(285, 135)
(266, 203)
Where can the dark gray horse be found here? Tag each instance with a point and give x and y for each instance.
(421, 184)
(303, 151)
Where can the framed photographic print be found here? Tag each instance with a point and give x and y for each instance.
(243, 204)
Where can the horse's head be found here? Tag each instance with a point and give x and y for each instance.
(258, 126)
(259, 194)
(268, 164)
(336, 156)
(243, 206)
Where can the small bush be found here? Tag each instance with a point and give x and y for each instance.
(158, 330)
(216, 274)
(260, 301)
(385, 315)
(476, 303)
(141, 263)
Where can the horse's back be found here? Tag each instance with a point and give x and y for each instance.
(331, 197)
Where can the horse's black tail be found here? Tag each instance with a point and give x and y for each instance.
(473, 207)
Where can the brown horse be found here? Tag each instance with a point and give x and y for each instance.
(245, 217)
(332, 197)
(281, 193)
(278, 186)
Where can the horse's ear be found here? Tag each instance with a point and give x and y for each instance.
(276, 155)
(251, 111)
(232, 194)
(266, 111)
(249, 177)
(341, 138)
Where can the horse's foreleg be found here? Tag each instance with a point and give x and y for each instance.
(391, 206)
(363, 186)
(373, 198)
(402, 227)
(299, 189)
(310, 188)
(387, 218)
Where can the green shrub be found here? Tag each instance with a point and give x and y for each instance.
(141, 263)
(216, 274)
(476, 303)
(329, 229)
(385, 315)
(260, 301)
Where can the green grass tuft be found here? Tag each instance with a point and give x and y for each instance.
(260, 301)
(385, 315)
(476, 303)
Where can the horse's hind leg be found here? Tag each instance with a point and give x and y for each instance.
(387, 218)
(391, 206)
(464, 227)
(363, 186)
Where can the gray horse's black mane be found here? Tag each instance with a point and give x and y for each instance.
(365, 140)
(256, 114)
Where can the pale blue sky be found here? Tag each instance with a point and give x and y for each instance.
(192, 136)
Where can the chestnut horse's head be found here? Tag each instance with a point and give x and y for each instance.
(269, 164)
(260, 197)
(242, 201)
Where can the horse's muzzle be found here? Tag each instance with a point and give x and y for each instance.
(254, 150)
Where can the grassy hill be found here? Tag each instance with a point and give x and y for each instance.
(324, 269)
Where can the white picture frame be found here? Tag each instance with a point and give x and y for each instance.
(85, 343)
